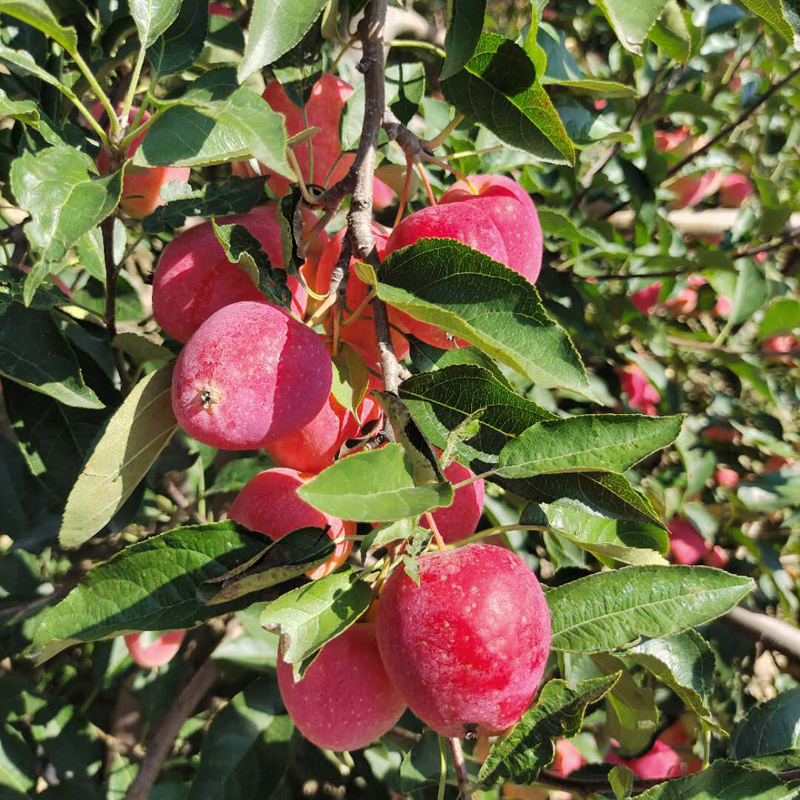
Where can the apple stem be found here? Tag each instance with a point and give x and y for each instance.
(426, 183)
(401, 208)
(437, 537)
(461, 768)
(444, 134)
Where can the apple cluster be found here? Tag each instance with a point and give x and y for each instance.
(466, 646)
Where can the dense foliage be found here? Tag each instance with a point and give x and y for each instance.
(599, 396)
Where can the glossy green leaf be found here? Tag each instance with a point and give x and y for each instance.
(441, 400)
(308, 617)
(774, 13)
(592, 442)
(289, 557)
(17, 764)
(632, 20)
(463, 34)
(276, 26)
(179, 46)
(751, 291)
(350, 378)
(604, 493)
(610, 610)
(528, 748)
(247, 748)
(42, 16)
(422, 764)
(466, 293)
(671, 34)
(684, 662)
(381, 535)
(23, 110)
(151, 585)
(768, 727)
(135, 435)
(60, 189)
(772, 491)
(215, 120)
(34, 353)
(781, 316)
(498, 87)
(245, 250)
(631, 712)
(718, 781)
(153, 17)
(586, 127)
(374, 486)
(22, 62)
(233, 196)
(608, 539)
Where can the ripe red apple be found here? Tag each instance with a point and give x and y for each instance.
(685, 302)
(723, 306)
(727, 477)
(194, 278)
(679, 142)
(220, 10)
(567, 759)
(735, 189)
(269, 504)
(323, 110)
(780, 344)
(361, 332)
(645, 299)
(465, 222)
(514, 214)
(315, 445)
(249, 376)
(690, 190)
(721, 433)
(141, 189)
(460, 519)
(716, 557)
(641, 393)
(345, 700)
(155, 653)
(685, 543)
(467, 647)
(774, 463)
(660, 762)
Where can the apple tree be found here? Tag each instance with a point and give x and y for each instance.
(399, 399)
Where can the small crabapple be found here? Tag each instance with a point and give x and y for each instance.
(156, 653)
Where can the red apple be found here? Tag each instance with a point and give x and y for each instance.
(657, 764)
(735, 189)
(155, 653)
(460, 519)
(685, 543)
(641, 393)
(466, 648)
(269, 504)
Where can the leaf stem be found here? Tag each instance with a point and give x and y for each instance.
(133, 86)
(487, 532)
(98, 91)
(418, 44)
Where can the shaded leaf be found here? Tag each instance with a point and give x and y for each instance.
(40, 14)
(768, 727)
(178, 47)
(632, 21)
(463, 33)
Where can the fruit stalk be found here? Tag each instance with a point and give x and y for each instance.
(461, 768)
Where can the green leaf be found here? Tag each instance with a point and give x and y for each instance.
(381, 535)
(671, 34)
(603, 493)
(153, 17)
(768, 727)
(181, 44)
(234, 195)
(452, 286)
(308, 617)
(55, 438)
(151, 585)
(586, 127)
(17, 764)
(751, 292)
(602, 442)
(528, 748)
(498, 88)
(132, 440)
(59, 188)
(216, 120)
(631, 711)
(774, 13)
(40, 14)
(141, 349)
(780, 316)
(610, 610)
(422, 764)
(683, 662)
(34, 353)
(22, 62)
(276, 26)
(723, 780)
(772, 491)
(374, 486)
(632, 21)
(287, 558)
(23, 110)
(621, 780)
(248, 746)
(350, 378)
(245, 250)
(463, 34)
(608, 539)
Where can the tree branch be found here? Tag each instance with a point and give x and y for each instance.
(773, 633)
(110, 314)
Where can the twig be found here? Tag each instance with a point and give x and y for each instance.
(461, 767)
(182, 501)
(734, 68)
(163, 737)
(787, 238)
(773, 633)
(728, 129)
